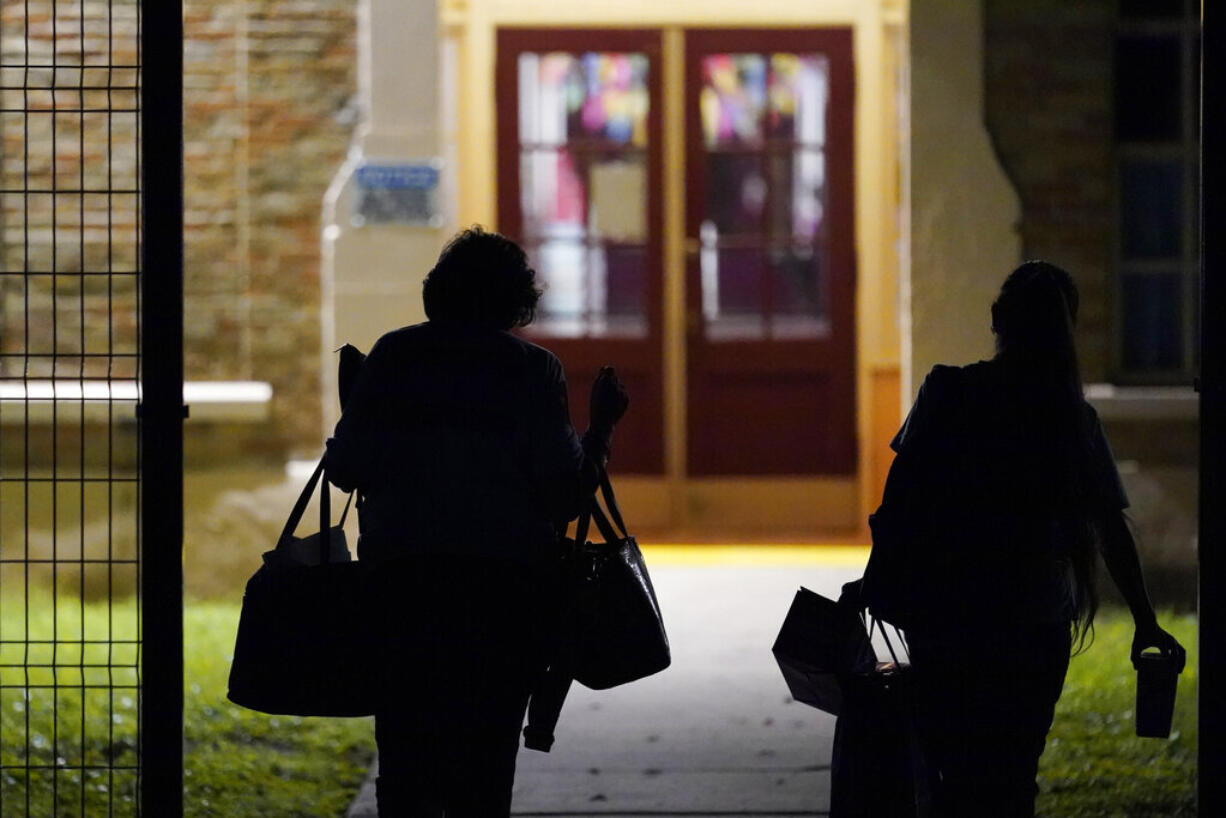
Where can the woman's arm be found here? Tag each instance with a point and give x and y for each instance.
(1119, 552)
(566, 468)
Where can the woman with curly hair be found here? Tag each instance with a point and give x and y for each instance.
(457, 436)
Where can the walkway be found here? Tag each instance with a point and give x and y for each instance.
(715, 734)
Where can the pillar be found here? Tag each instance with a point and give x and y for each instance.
(384, 213)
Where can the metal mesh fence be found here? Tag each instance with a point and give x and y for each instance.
(69, 448)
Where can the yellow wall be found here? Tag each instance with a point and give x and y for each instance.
(879, 28)
(964, 210)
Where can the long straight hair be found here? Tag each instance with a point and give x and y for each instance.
(1033, 319)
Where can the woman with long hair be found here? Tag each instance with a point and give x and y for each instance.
(1002, 493)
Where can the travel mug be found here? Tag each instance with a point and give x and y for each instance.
(1156, 678)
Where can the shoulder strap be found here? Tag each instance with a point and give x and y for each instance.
(874, 622)
(592, 512)
(325, 512)
(345, 510)
(295, 515)
(325, 518)
(610, 500)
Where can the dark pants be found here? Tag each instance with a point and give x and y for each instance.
(461, 769)
(469, 654)
(985, 700)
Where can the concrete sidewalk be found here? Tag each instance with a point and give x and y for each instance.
(715, 734)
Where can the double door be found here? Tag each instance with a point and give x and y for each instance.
(760, 284)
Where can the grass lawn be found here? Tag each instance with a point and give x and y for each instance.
(244, 763)
(1094, 764)
(241, 763)
(238, 762)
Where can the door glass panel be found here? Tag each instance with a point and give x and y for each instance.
(625, 286)
(593, 290)
(799, 304)
(761, 241)
(797, 179)
(731, 289)
(736, 192)
(583, 183)
(563, 97)
(798, 89)
(552, 192)
(733, 99)
(618, 192)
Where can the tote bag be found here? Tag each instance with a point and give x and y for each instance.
(877, 767)
(615, 631)
(821, 641)
(308, 637)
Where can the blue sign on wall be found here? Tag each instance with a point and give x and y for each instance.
(397, 193)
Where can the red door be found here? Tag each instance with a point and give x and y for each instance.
(771, 264)
(579, 177)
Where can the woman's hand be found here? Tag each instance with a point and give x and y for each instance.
(1149, 635)
(608, 402)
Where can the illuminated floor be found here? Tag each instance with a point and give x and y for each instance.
(715, 734)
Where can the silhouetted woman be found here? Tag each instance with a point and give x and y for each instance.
(458, 437)
(1002, 490)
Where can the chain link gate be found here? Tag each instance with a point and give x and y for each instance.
(90, 426)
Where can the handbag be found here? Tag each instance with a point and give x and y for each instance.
(614, 631)
(306, 643)
(819, 642)
(878, 769)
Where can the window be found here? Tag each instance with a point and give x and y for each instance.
(1156, 175)
(763, 242)
(583, 186)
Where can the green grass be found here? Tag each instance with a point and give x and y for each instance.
(237, 763)
(1094, 764)
(242, 763)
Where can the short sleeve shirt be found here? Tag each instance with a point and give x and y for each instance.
(930, 419)
(982, 468)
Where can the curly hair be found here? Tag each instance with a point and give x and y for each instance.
(483, 278)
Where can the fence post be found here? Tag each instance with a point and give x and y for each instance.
(161, 409)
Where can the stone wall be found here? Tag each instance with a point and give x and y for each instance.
(1047, 104)
(269, 90)
(268, 95)
(68, 210)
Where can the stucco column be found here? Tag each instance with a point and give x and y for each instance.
(964, 211)
(378, 238)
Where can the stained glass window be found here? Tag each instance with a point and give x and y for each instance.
(762, 248)
(583, 182)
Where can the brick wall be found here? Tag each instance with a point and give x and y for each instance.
(269, 86)
(1047, 75)
(268, 90)
(69, 247)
